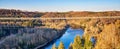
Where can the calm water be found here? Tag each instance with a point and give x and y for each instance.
(67, 38)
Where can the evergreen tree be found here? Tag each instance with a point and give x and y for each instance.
(61, 46)
(54, 47)
(77, 43)
(87, 43)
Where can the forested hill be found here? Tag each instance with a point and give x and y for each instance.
(19, 13)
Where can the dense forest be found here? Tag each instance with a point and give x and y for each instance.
(106, 31)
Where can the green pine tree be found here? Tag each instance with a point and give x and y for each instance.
(61, 46)
(87, 43)
(77, 43)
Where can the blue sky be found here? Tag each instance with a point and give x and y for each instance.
(61, 5)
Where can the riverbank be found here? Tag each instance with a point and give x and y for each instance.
(67, 38)
(61, 32)
(28, 38)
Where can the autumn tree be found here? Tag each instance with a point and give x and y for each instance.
(61, 46)
(87, 43)
(54, 47)
(27, 23)
(77, 43)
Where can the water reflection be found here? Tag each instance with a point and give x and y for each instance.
(68, 37)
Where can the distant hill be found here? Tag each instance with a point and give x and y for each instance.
(20, 13)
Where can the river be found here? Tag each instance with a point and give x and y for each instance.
(67, 38)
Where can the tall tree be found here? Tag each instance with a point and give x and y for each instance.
(87, 43)
(77, 43)
(61, 46)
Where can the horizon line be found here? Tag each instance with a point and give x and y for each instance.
(59, 11)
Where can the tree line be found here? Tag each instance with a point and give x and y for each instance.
(79, 43)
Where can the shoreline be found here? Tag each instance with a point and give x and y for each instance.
(58, 36)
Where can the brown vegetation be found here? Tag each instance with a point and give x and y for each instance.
(106, 31)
